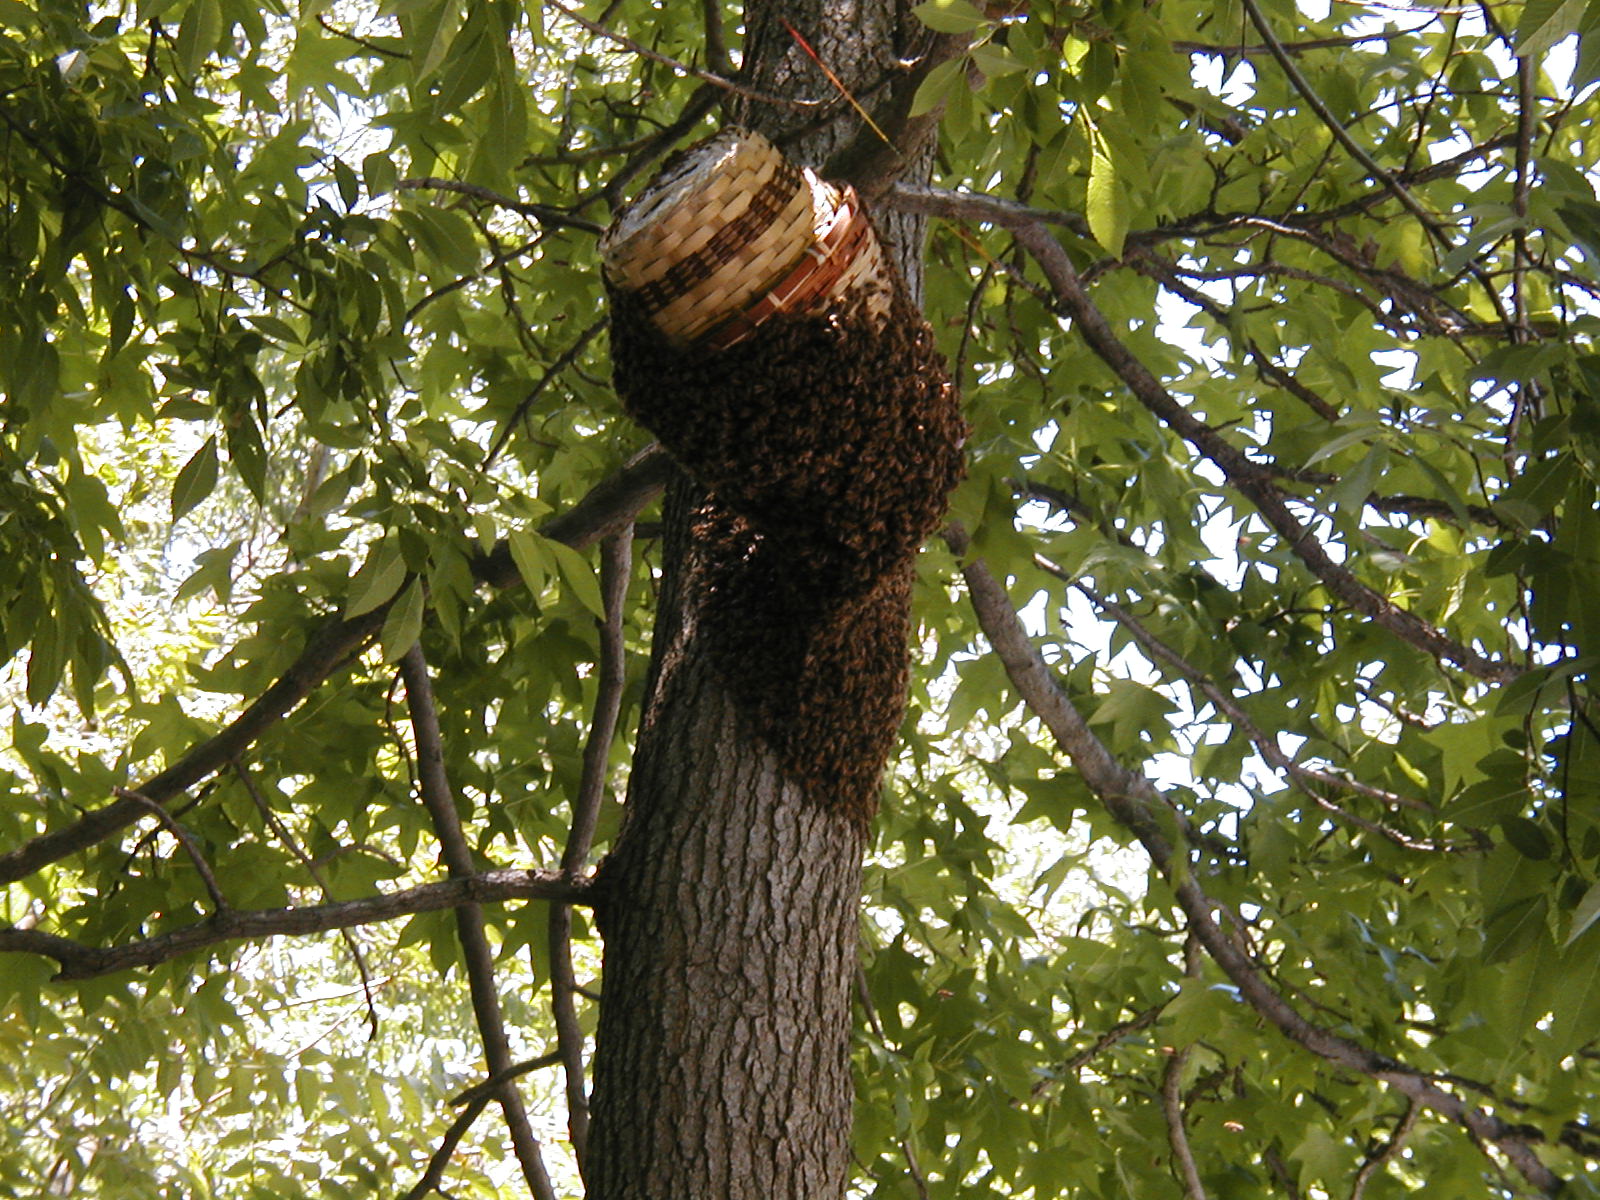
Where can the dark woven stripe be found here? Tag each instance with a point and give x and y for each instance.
(694, 269)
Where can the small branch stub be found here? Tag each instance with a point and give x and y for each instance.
(815, 412)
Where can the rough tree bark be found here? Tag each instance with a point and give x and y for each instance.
(729, 911)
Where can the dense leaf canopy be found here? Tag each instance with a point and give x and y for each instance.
(1244, 835)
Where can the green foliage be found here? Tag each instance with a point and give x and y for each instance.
(259, 366)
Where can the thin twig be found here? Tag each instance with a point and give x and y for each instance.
(219, 902)
(1429, 222)
(1383, 1154)
(1119, 1031)
(1327, 43)
(545, 214)
(475, 1099)
(703, 100)
(357, 39)
(1249, 478)
(281, 832)
(486, 1087)
(476, 953)
(567, 358)
(433, 1175)
(1280, 1170)
(864, 998)
(1266, 745)
(643, 51)
(1376, 171)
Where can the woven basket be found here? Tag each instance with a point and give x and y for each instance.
(729, 235)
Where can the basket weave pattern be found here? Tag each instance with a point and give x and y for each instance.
(730, 235)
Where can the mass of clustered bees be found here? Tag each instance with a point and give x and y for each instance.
(826, 447)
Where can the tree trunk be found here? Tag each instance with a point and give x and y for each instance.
(729, 912)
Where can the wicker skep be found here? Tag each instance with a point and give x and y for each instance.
(730, 234)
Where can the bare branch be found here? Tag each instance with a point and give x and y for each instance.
(616, 567)
(610, 504)
(716, 41)
(79, 961)
(1280, 1170)
(433, 1175)
(357, 39)
(650, 149)
(475, 1099)
(476, 953)
(1327, 43)
(1133, 802)
(1335, 127)
(487, 1086)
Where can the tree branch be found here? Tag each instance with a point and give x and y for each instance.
(219, 902)
(610, 504)
(566, 359)
(476, 1099)
(1133, 802)
(1105, 1041)
(1386, 1152)
(476, 954)
(1267, 746)
(1251, 479)
(1341, 135)
(546, 215)
(79, 961)
(1177, 1136)
(616, 567)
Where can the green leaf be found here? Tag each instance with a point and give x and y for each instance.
(196, 479)
(937, 88)
(578, 575)
(198, 35)
(403, 624)
(1526, 837)
(378, 579)
(1575, 997)
(950, 16)
(379, 173)
(1107, 202)
(1514, 929)
(995, 61)
(1131, 708)
(1544, 23)
(1585, 915)
(349, 186)
(531, 554)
